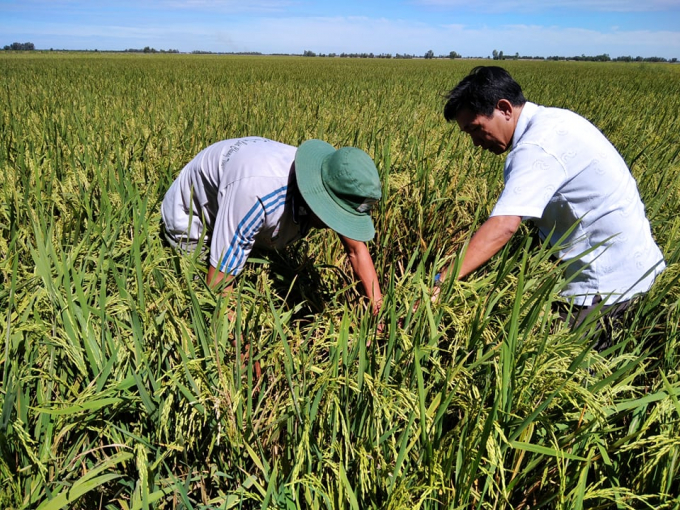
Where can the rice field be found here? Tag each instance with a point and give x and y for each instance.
(122, 380)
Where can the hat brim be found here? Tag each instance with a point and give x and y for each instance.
(308, 160)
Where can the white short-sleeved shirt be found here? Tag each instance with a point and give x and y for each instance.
(236, 194)
(563, 170)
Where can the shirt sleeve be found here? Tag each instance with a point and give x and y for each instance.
(532, 177)
(240, 217)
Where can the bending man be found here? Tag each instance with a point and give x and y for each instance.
(560, 172)
(246, 192)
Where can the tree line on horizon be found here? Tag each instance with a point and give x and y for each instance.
(495, 54)
(498, 55)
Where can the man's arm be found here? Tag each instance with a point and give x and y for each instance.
(362, 265)
(486, 242)
(215, 277)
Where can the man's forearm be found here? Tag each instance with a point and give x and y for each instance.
(364, 269)
(365, 272)
(486, 242)
(215, 278)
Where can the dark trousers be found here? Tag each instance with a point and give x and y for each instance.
(610, 319)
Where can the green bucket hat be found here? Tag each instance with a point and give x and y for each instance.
(340, 187)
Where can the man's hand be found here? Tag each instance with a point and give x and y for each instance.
(437, 288)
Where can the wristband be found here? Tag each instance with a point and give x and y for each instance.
(438, 280)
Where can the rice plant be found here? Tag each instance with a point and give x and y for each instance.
(123, 381)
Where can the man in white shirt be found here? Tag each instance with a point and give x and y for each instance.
(253, 192)
(560, 172)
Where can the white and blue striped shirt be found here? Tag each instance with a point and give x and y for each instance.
(236, 194)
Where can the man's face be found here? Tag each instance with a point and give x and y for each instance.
(492, 133)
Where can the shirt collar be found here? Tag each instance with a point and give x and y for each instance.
(525, 116)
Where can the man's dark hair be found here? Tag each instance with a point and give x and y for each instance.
(480, 92)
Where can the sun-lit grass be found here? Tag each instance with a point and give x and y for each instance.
(122, 380)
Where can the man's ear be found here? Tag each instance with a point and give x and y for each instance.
(505, 107)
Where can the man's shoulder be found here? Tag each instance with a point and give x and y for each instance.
(255, 158)
(250, 148)
(552, 114)
(548, 125)
(256, 147)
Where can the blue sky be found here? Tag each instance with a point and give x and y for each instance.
(472, 28)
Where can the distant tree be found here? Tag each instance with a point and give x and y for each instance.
(308, 53)
(453, 55)
(494, 54)
(29, 46)
(429, 54)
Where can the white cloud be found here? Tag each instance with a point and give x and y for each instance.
(275, 33)
(535, 6)
(215, 6)
(354, 35)
(252, 6)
